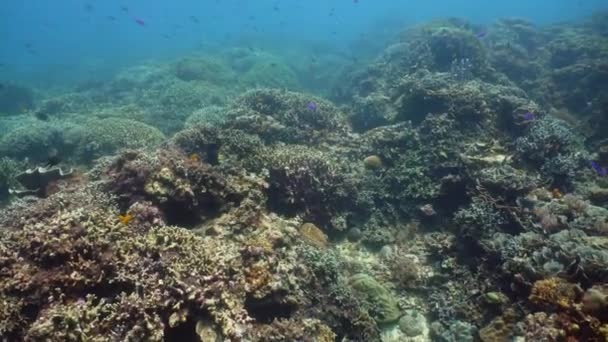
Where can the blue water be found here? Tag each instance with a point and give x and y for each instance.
(58, 40)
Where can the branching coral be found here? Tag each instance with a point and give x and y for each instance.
(308, 182)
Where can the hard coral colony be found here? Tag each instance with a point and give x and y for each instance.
(450, 188)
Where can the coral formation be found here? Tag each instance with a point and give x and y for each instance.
(33, 141)
(379, 301)
(98, 138)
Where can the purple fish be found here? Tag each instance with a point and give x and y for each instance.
(311, 106)
(139, 21)
(529, 116)
(481, 35)
(600, 171)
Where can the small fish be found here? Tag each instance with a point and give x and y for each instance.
(125, 219)
(111, 17)
(528, 116)
(311, 106)
(89, 8)
(195, 157)
(139, 21)
(194, 19)
(481, 35)
(599, 170)
(42, 116)
(1, 86)
(124, 9)
(556, 193)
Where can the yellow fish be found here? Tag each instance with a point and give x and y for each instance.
(195, 157)
(125, 219)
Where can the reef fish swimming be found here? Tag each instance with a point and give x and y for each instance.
(139, 21)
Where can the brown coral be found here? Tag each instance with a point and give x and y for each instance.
(554, 292)
(500, 329)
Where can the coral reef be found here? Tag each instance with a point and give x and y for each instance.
(457, 192)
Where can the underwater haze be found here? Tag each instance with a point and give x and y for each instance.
(75, 39)
(304, 171)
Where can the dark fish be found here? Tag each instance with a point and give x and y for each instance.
(124, 9)
(89, 8)
(166, 36)
(139, 21)
(1, 86)
(276, 9)
(271, 64)
(111, 17)
(481, 35)
(42, 116)
(194, 19)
